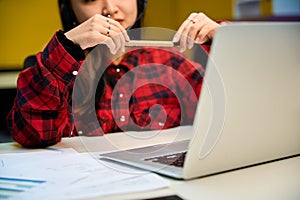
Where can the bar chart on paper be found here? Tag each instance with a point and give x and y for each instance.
(11, 187)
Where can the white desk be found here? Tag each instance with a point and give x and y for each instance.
(277, 180)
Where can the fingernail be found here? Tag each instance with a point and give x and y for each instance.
(176, 38)
(113, 52)
(190, 44)
(127, 38)
(182, 49)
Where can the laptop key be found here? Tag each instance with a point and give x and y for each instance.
(176, 159)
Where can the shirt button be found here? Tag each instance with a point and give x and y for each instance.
(161, 124)
(75, 73)
(122, 119)
(118, 70)
(121, 95)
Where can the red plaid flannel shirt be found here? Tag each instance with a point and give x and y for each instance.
(42, 115)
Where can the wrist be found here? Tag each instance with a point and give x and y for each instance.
(73, 49)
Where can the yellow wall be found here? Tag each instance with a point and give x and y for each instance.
(266, 8)
(171, 13)
(27, 25)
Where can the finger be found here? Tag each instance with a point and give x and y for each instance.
(122, 36)
(98, 38)
(118, 38)
(195, 29)
(200, 22)
(184, 40)
(206, 27)
(202, 36)
(178, 34)
(203, 28)
(110, 44)
(122, 30)
(191, 35)
(123, 41)
(103, 39)
(106, 21)
(118, 34)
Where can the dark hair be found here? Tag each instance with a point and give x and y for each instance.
(69, 20)
(84, 90)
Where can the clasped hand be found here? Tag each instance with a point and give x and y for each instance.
(99, 29)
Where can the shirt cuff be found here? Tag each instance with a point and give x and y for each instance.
(73, 49)
(59, 61)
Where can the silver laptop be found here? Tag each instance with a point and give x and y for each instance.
(249, 108)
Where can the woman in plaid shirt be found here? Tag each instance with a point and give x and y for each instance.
(42, 112)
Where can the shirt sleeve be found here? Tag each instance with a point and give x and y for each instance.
(41, 112)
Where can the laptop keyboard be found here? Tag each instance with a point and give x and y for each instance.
(176, 159)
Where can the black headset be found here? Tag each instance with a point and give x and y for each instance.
(69, 20)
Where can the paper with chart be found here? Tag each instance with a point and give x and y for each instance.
(69, 175)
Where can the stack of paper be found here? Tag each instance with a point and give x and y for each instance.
(66, 174)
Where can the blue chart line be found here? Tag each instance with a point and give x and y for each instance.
(10, 187)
